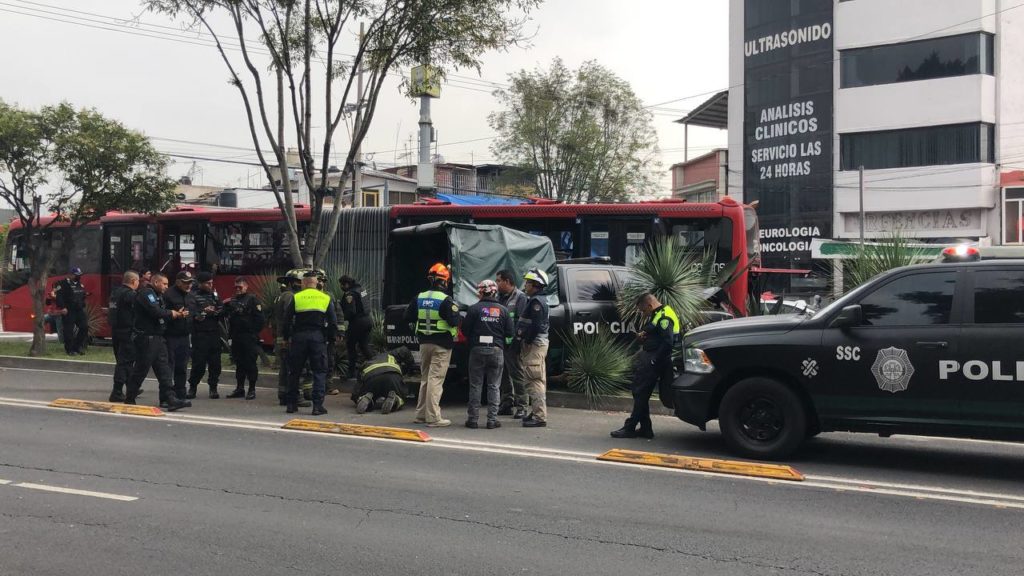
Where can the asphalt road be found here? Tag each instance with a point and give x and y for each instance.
(219, 489)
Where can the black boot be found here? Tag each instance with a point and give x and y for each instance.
(174, 403)
(318, 409)
(646, 429)
(251, 395)
(239, 392)
(116, 396)
(628, 430)
(213, 392)
(191, 391)
(292, 408)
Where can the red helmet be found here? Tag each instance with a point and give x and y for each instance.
(439, 271)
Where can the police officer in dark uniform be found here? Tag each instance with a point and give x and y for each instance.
(121, 317)
(71, 304)
(532, 329)
(310, 323)
(206, 346)
(653, 364)
(245, 320)
(360, 325)
(179, 297)
(151, 318)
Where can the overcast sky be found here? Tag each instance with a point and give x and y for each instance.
(176, 91)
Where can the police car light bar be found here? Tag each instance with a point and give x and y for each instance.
(961, 253)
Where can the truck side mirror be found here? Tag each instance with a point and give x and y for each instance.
(848, 317)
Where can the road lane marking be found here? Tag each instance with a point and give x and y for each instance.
(910, 487)
(680, 462)
(110, 407)
(833, 483)
(361, 430)
(75, 492)
(4, 482)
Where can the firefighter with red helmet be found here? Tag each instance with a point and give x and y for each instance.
(435, 318)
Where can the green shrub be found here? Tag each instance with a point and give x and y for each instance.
(597, 365)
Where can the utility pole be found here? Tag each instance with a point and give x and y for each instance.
(860, 170)
(357, 168)
(425, 168)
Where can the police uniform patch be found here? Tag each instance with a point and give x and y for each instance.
(349, 299)
(455, 308)
(259, 307)
(152, 297)
(665, 323)
(536, 306)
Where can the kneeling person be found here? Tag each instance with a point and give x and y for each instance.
(380, 382)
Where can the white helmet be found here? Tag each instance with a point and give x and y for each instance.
(537, 275)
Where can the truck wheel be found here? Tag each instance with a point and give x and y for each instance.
(762, 418)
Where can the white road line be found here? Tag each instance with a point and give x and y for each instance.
(75, 492)
(4, 482)
(834, 483)
(912, 487)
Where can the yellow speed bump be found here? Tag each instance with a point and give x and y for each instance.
(108, 407)
(357, 430)
(775, 471)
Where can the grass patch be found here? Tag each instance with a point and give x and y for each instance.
(94, 353)
(56, 350)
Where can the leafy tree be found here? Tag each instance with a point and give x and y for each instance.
(303, 40)
(62, 169)
(584, 134)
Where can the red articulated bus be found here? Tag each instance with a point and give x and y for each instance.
(253, 242)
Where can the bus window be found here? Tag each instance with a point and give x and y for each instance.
(753, 230)
(634, 246)
(599, 244)
(702, 234)
(266, 249)
(15, 271)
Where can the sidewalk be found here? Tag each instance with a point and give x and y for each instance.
(268, 380)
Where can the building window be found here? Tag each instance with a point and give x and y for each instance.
(1013, 216)
(922, 60)
(928, 146)
(371, 199)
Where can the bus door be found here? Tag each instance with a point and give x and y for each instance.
(126, 250)
(180, 247)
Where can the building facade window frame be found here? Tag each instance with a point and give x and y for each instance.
(921, 146)
(943, 57)
(1012, 215)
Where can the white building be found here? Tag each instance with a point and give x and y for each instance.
(926, 95)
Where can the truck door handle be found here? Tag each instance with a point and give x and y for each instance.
(933, 344)
(583, 313)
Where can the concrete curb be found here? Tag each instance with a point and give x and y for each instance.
(556, 398)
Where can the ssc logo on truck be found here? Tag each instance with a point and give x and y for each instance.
(892, 369)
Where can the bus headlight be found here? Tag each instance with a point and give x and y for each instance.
(695, 361)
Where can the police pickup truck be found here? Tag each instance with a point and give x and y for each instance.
(933, 349)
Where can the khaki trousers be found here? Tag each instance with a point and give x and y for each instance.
(433, 369)
(534, 366)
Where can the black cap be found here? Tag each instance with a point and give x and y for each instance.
(184, 276)
(204, 276)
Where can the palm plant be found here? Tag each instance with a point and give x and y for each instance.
(266, 289)
(96, 320)
(597, 365)
(893, 252)
(675, 276)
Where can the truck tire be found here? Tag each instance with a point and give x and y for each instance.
(762, 418)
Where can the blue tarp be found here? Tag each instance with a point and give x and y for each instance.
(478, 200)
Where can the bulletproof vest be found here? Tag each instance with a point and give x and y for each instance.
(121, 310)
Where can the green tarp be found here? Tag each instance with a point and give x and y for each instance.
(478, 252)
